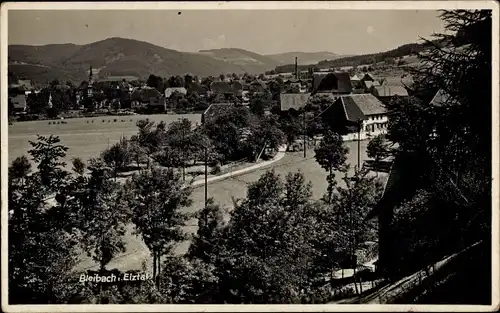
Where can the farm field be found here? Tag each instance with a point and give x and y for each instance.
(83, 138)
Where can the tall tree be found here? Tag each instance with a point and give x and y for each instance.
(331, 155)
(41, 251)
(102, 215)
(118, 156)
(156, 199)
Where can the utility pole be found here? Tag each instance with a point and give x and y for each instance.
(183, 157)
(206, 175)
(359, 144)
(304, 130)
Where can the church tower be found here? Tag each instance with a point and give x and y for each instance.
(91, 82)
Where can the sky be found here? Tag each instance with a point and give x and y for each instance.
(264, 31)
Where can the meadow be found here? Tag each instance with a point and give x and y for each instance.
(85, 137)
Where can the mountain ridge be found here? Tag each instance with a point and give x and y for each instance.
(117, 56)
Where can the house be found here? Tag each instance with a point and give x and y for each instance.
(442, 98)
(159, 103)
(293, 101)
(368, 77)
(170, 90)
(368, 84)
(18, 104)
(335, 83)
(385, 93)
(141, 96)
(357, 116)
(355, 81)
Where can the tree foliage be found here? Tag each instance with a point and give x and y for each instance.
(451, 140)
(156, 198)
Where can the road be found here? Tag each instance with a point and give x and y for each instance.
(236, 187)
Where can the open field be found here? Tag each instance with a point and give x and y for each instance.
(83, 138)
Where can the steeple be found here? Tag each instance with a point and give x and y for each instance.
(91, 82)
(90, 75)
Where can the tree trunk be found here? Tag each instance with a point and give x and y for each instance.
(159, 271)
(154, 265)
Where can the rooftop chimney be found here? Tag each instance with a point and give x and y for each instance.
(296, 69)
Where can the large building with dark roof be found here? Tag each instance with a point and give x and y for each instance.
(335, 83)
(350, 112)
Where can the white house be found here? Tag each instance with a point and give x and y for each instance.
(364, 111)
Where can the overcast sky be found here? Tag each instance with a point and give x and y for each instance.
(265, 32)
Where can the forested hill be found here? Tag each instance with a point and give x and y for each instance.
(356, 60)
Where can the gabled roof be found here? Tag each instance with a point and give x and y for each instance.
(144, 94)
(389, 91)
(359, 106)
(294, 101)
(19, 101)
(332, 82)
(355, 78)
(367, 76)
(442, 98)
(170, 90)
(369, 84)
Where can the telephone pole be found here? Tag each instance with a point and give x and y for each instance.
(359, 143)
(206, 176)
(304, 130)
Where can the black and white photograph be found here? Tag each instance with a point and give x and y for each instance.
(221, 156)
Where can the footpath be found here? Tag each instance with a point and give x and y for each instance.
(280, 155)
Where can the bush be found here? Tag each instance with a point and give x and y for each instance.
(216, 170)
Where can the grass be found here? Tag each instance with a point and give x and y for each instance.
(83, 138)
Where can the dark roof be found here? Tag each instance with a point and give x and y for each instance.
(442, 98)
(19, 102)
(144, 94)
(368, 76)
(294, 101)
(390, 91)
(359, 106)
(332, 82)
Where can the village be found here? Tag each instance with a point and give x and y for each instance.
(342, 185)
